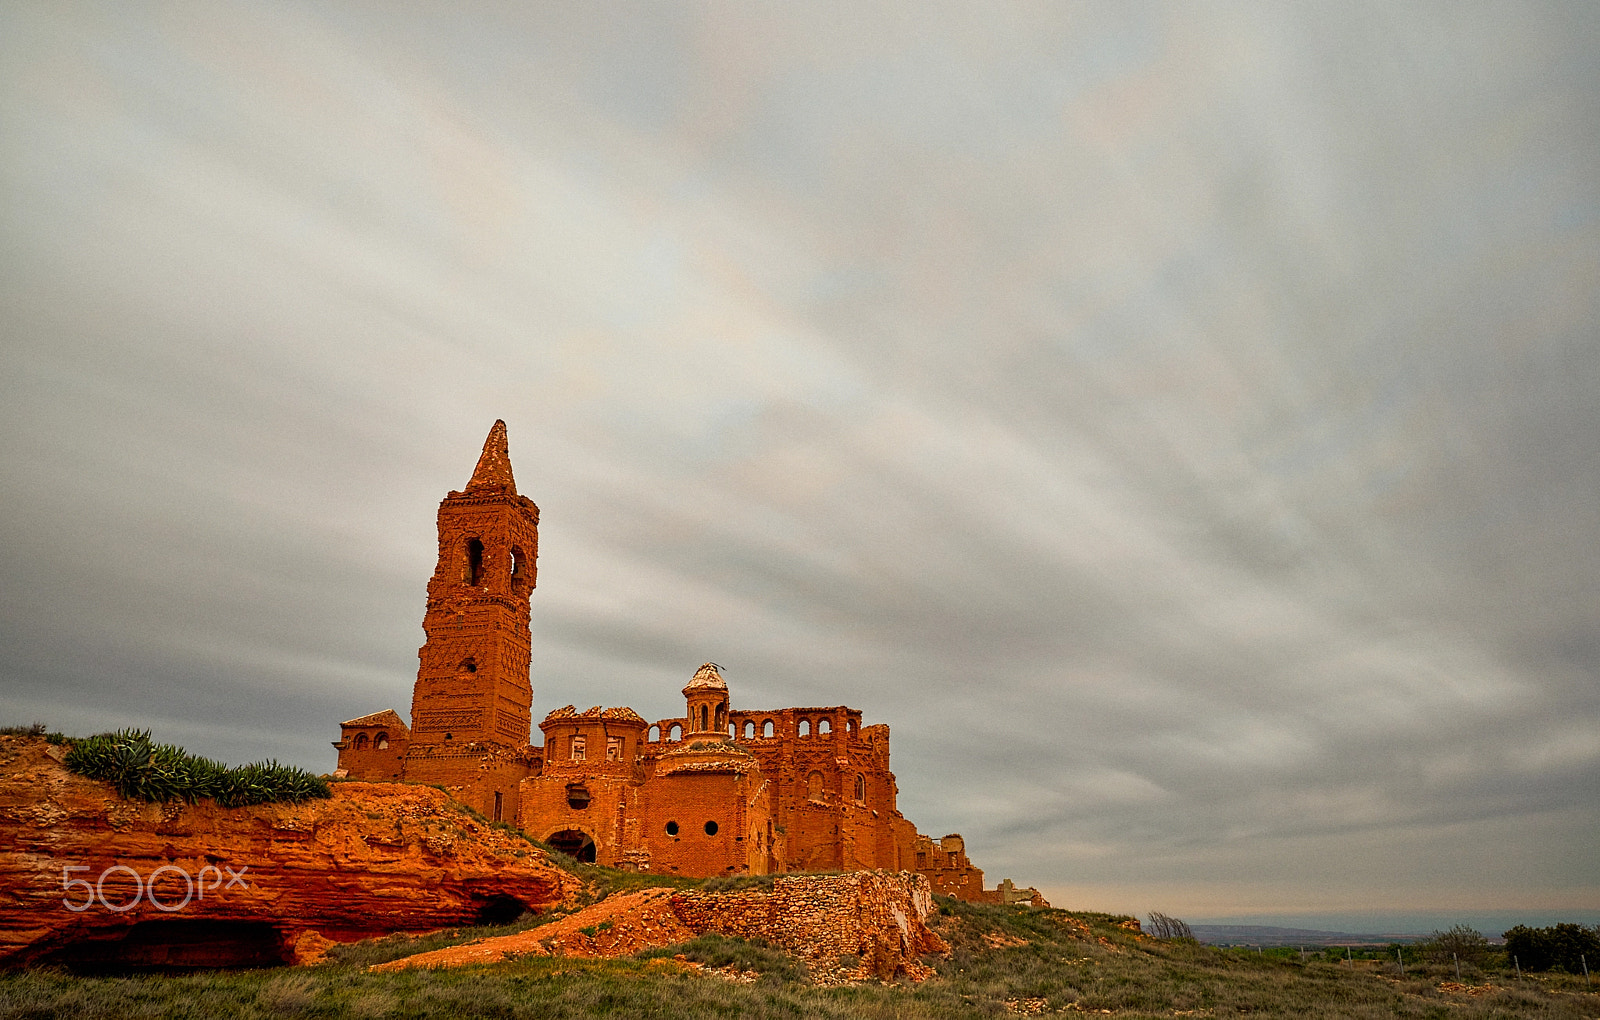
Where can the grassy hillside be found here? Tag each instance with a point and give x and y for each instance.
(1004, 961)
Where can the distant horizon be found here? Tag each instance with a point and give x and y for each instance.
(1489, 922)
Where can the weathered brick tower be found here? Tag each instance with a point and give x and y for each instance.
(472, 681)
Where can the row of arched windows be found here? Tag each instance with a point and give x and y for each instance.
(751, 729)
(379, 742)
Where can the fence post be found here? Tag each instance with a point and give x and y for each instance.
(1517, 964)
(1347, 958)
(1585, 958)
(1402, 960)
(1458, 965)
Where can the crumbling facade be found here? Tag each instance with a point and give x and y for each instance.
(716, 791)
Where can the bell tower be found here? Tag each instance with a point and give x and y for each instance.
(472, 679)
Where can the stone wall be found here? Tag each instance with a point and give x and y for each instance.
(877, 916)
(876, 921)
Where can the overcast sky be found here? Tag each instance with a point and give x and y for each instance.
(1180, 424)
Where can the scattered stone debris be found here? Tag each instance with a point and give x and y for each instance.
(1458, 988)
(998, 941)
(874, 919)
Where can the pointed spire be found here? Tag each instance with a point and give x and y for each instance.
(494, 465)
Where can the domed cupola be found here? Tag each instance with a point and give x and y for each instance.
(707, 695)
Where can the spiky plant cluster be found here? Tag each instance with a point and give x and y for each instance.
(143, 770)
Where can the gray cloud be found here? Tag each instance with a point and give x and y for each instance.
(1176, 423)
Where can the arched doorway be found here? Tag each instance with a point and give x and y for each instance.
(575, 843)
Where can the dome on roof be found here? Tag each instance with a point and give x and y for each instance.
(706, 678)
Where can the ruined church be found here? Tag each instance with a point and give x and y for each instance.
(714, 791)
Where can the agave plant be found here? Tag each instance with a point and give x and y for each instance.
(140, 769)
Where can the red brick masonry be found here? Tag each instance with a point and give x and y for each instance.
(716, 791)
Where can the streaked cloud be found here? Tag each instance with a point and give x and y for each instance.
(1177, 423)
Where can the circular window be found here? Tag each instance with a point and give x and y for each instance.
(711, 828)
(672, 828)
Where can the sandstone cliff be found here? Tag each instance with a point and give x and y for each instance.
(87, 879)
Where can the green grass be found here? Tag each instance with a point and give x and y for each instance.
(1052, 964)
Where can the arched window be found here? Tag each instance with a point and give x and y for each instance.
(814, 786)
(850, 727)
(861, 789)
(361, 742)
(768, 728)
(519, 568)
(677, 733)
(805, 728)
(704, 716)
(474, 573)
(722, 717)
(380, 742)
(824, 726)
(749, 729)
(655, 734)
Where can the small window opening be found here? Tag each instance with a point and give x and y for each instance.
(677, 732)
(474, 562)
(519, 569)
(469, 666)
(361, 742)
(380, 742)
(814, 786)
(613, 749)
(654, 736)
(749, 730)
(578, 750)
(711, 828)
(577, 797)
(722, 717)
(824, 727)
(672, 828)
(805, 727)
(704, 717)
(497, 805)
(768, 728)
(861, 788)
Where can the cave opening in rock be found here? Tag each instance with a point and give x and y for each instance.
(175, 946)
(501, 909)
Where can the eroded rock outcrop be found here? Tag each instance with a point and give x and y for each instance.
(89, 880)
(878, 917)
